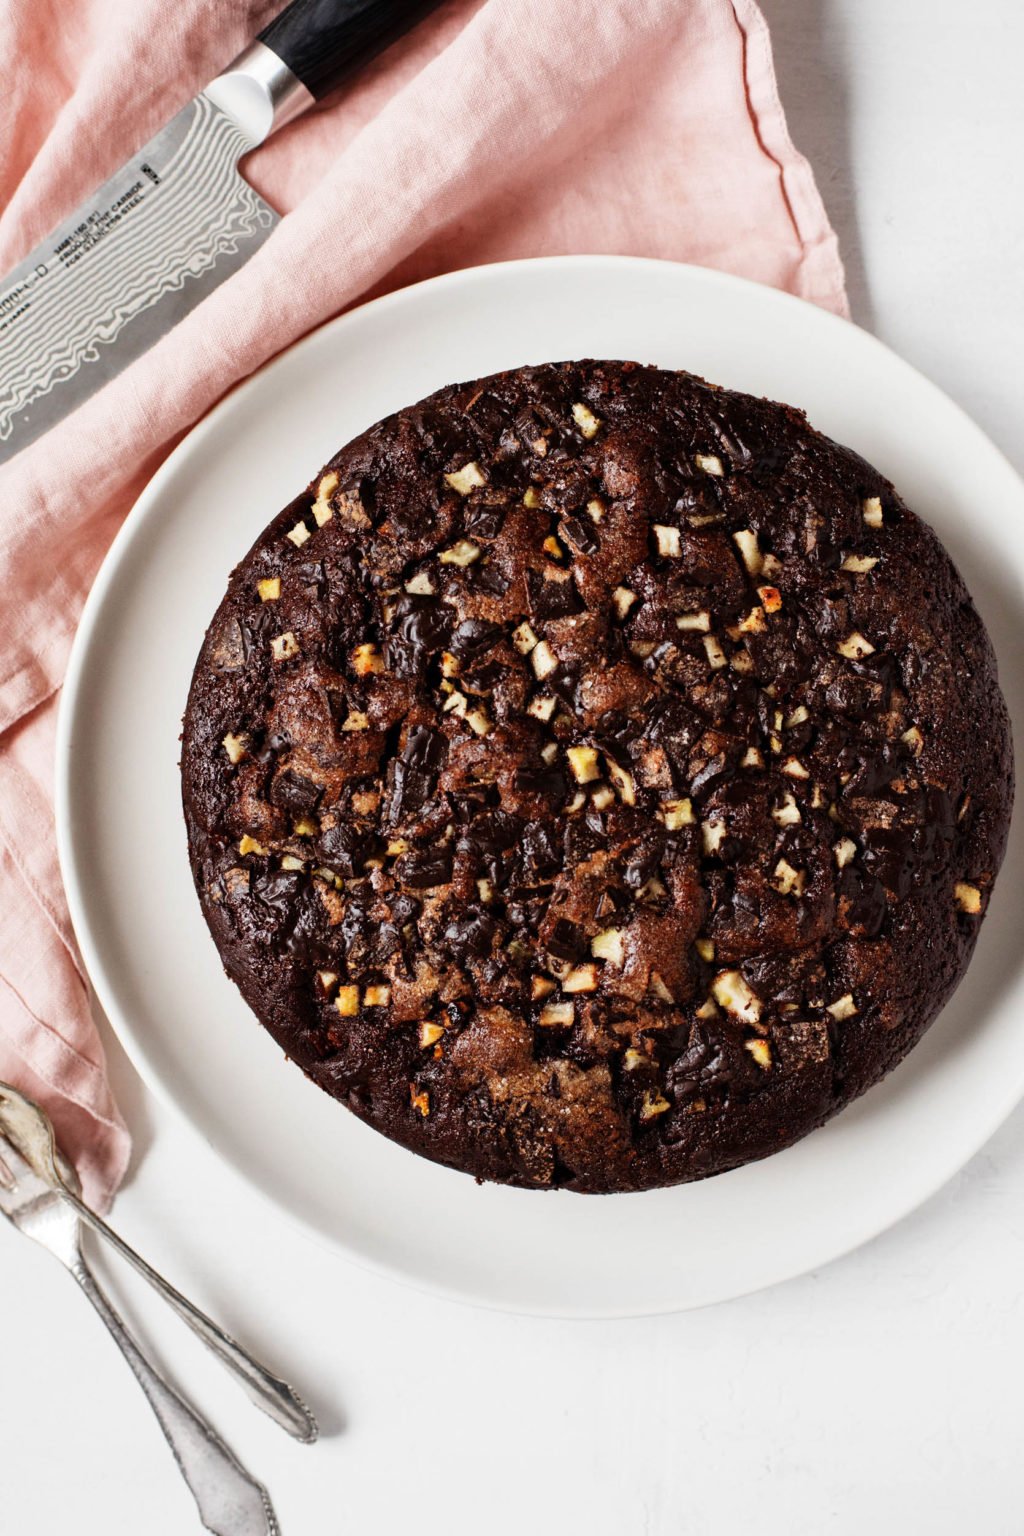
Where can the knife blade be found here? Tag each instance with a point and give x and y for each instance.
(174, 222)
(156, 238)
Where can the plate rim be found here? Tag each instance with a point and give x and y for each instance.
(76, 885)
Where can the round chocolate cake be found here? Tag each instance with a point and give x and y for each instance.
(596, 778)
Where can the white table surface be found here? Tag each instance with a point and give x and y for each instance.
(883, 1393)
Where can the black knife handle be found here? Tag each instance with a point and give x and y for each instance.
(324, 42)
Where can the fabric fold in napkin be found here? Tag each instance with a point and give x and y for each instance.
(498, 129)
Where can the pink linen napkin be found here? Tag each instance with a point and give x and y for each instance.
(498, 129)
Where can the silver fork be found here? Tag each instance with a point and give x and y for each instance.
(230, 1501)
(27, 1129)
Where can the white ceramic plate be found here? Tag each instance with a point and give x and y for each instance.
(123, 846)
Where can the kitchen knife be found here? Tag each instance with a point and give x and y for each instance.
(175, 221)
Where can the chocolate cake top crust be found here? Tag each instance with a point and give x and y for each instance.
(596, 778)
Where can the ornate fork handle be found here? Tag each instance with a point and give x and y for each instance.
(26, 1128)
(230, 1502)
(267, 1391)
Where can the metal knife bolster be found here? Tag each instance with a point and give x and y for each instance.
(259, 92)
